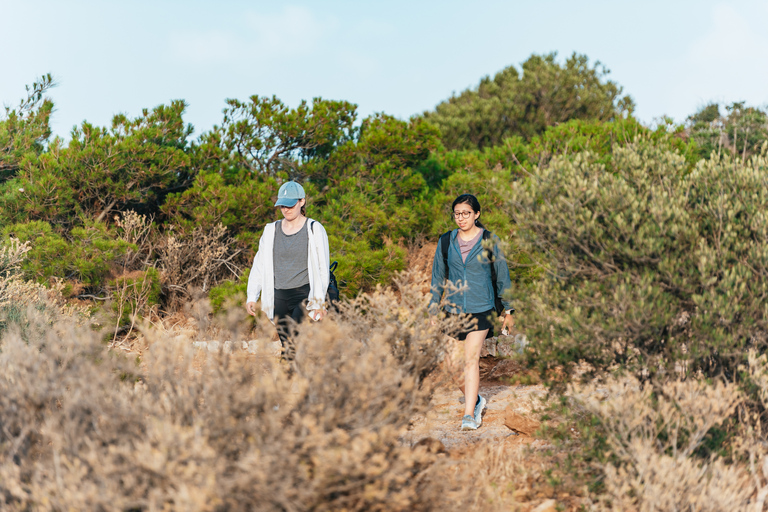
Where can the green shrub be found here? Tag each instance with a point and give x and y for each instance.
(650, 267)
(525, 103)
(229, 292)
(24, 130)
(130, 165)
(86, 256)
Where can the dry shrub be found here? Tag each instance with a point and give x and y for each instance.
(17, 294)
(11, 256)
(135, 294)
(196, 259)
(489, 477)
(653, 434)
(83, 429)
(136, 229)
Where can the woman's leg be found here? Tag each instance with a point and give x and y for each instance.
(472, 346)
(282, 313)
(289, 311)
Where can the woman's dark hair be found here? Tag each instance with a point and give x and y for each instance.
(304, 209)
(472, 202)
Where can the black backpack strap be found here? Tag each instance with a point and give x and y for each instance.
(311, 227)
(445, 243)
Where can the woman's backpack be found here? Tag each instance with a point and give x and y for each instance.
(333, 284)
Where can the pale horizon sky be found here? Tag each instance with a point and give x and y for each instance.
(397, 57)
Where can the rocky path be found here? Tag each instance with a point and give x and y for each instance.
(510, 414)
(507, 419)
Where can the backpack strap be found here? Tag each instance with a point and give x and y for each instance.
(491, 260)
(445, 242)
(311, 227)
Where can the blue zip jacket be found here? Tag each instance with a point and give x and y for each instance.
(475, 272)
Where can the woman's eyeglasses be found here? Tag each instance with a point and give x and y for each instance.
(462, 215)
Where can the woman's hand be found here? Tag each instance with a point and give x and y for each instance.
(508, 324)
(250, 307)
(318, 314)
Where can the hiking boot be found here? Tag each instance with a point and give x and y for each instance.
(479, 406)
(468, 423)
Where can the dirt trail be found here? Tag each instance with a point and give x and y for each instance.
(443, 420)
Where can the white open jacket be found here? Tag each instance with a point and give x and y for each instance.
(262, 277)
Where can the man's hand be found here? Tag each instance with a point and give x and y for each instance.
(250, 307)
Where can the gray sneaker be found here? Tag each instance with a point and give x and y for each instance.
(468, 423)
(479, 406)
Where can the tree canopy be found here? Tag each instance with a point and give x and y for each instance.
(525, 103)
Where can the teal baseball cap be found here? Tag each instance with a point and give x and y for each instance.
(289, 194)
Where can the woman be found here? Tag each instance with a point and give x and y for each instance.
(469, 267)
(290, 269)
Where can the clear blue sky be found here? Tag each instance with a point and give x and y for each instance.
(399, 57)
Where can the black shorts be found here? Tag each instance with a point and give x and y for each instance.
(483, 320)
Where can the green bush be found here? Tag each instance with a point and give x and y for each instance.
(525, 104)
(650, 267)
(25, 129)
(131, 165)
(86, 256)
(228, 292)
(375, 201)
(741, 131)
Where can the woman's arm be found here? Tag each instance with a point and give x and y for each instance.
(503, 281)
(438, 277)
(255, 278)
(322, 254)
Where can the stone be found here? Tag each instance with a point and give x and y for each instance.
(519, 423)
(489, 347)
(546, 506)
(210, 346)
(272, 348)
(505, 369)
(520, 494)
(508, 346)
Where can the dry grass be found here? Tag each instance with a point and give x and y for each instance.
(655, 435)
(85, 429)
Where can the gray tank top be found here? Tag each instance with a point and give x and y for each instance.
(290, 258)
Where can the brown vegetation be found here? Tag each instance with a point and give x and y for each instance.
(85, 428)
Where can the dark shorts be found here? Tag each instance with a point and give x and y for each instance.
(483, 320)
